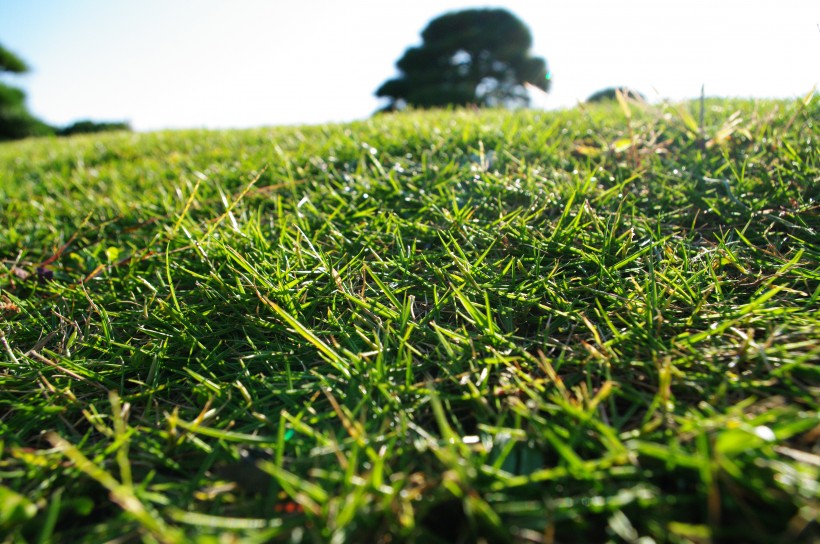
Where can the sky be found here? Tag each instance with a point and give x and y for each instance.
(245, 63)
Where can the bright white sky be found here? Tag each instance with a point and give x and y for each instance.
(242, 63)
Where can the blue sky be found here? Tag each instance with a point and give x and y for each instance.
(218, 64)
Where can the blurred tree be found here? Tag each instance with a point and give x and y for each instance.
(477, 56)
(15, 120)
(609, 94)
(9, 62)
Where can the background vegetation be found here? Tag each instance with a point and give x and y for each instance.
(610, 93)
(16, 122)
(477, 57)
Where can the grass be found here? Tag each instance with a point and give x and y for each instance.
(591, 325)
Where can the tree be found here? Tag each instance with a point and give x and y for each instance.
(9, 62)
(15, 120)
(609, 94)
(478, 56)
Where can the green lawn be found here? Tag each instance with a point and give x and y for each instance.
(580, 326)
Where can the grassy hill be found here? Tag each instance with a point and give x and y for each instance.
(577, 326)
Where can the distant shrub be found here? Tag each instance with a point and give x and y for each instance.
(609, 94)
(87, 127)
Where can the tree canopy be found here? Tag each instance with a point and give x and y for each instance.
(9, 62)
(477, 56)
(15, 119)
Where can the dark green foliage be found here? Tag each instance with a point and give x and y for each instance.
(87, 127)
(610, 93)
(479, 57)
(15, 120)
(9, 62)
